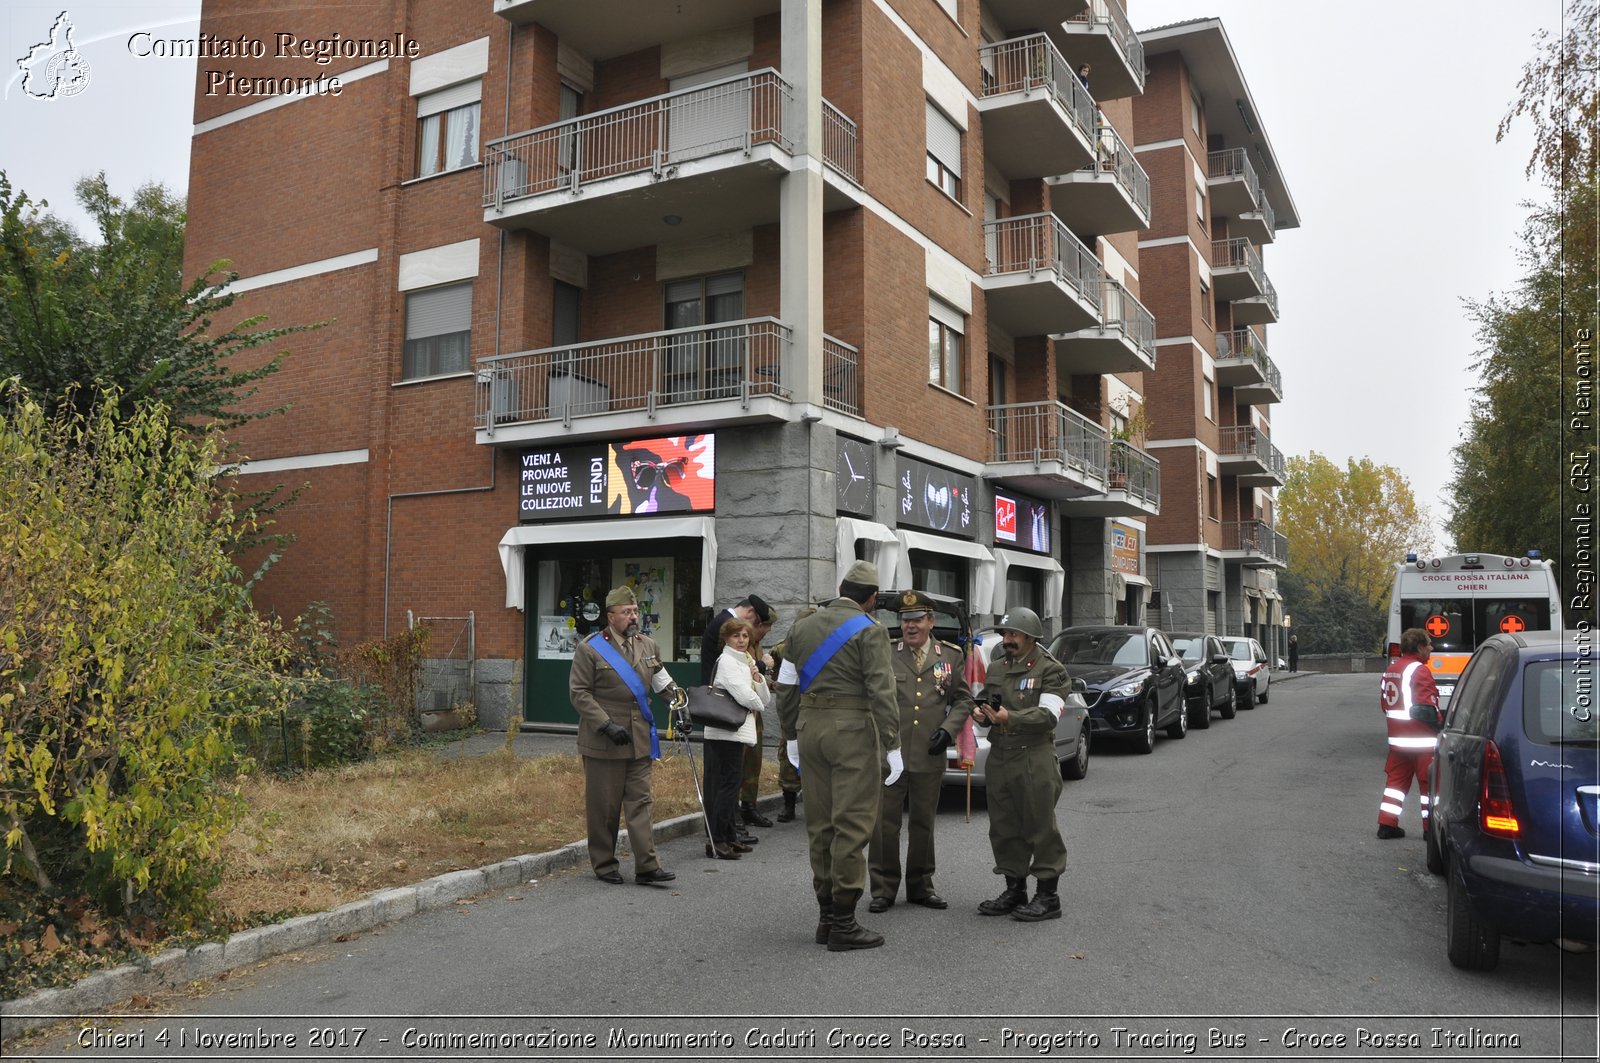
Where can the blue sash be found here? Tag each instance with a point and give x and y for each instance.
(830, 646)
(630, 676)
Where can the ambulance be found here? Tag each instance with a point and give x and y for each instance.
(1462, 599)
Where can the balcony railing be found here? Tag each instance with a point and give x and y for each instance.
(1109, 13)
(1255, 537)
(1113, 156)
(650, 136)
(1241, 343)
(729, 360)
(1032, 243)
(1269, 294)
(1269, 218)
(1246, 441)
(1235, 254)
(1032, 64)
(1121, 311)
(1134, 471)
(1049, 431)
(839, 142)
(841, 376)
(1233, 162)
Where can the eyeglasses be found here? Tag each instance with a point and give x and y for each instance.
(646, 473)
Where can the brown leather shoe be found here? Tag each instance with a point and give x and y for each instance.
(722, 851)
(739, 847)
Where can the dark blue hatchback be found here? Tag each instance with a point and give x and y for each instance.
(1515, 828)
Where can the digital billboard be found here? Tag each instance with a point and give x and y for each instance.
(673, 474)
(1021, 522)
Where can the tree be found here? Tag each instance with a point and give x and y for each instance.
(1347, 527)
(1337, 620)
(82, 320)
(130, 654)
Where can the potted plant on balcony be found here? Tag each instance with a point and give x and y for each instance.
(1133, 433)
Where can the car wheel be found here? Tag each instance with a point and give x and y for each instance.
(1430, 848)
(1248, 699)
(1262, 697)
(1179, 728)
(1472, 944)
(1201, 718)
(1077, 767)
(1147, 738)
(1230, 708)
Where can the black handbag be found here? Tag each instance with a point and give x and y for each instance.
(710, 707)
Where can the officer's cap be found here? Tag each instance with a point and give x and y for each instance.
(914, 604)
(621, 596)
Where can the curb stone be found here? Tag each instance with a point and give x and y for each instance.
(177, 967)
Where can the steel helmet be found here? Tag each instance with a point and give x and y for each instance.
(1022, 620)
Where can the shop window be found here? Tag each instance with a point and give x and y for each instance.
(944, 152)
(939, 574)
(1024, 588)
(438, 331)
(447, 128)
(946, 346)
(705, 363)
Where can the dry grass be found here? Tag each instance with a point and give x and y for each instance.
(318, 841)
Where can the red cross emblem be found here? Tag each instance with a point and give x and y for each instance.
(1512, 623)
(1437, 626)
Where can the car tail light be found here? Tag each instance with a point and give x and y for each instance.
(1394, 649)
(1496, 814)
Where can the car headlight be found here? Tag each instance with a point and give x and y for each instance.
(1193, 678)
(1128, 690)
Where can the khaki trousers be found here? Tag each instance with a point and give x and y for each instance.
(1023, 786)
(917, 791)
(840, 763)
(615, 789)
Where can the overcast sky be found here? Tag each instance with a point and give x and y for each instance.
(1382, 117)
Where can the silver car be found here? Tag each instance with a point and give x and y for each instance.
(1250, 670)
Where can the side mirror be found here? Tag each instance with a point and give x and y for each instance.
(1220, 658)
(1080, 687)
(1174, 662)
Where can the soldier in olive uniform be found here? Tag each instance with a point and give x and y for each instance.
(617, 737)
(788, 774)
(1024, 696)
(836, 703)
(934, 702)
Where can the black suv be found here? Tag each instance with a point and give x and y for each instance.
(1135, 680)
(1209, 684)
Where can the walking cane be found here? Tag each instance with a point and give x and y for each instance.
(681, 724)
(969, 793)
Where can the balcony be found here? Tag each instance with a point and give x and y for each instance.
(1243, 365)
(602, 29)
(599, 182)
(1029, 15)
(1257, 309)
(1236, 271)
(1047, 449)
(677, 379)
(1109, 195)
(1103, 37)
(841, 376)
(1124, 341)
(1255, 544)
(1041, 279)
(1247, 453)
(1133, 487)
(1038, 119)
(1232, 184)
(1259, 226)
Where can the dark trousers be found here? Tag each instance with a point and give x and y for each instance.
(724, 769)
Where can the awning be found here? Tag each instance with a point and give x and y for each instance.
(1055, 584)
(851, 531)
(981, 584)
(523, 536)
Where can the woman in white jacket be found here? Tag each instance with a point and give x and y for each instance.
(724, 749)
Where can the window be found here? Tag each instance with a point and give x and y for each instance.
(1206, 388)
(1200, 204)
(1205, 302)
(447, 128)
(438, 331)
(944, 152)
(1194, 112)
(705, 363)
(1119, 425)
(1213, 497)
(946, 346)
(566, 314)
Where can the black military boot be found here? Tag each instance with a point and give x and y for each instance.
(1015, 895)
(1045, 904)
(847, 934)
(752, 815)
(824, 921)
(787, 815)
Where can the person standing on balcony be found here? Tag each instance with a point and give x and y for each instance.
(1083, 76)
(1409, 700)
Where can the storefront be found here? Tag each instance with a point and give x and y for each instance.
(945, 558)
(600, 515)
(1130, 586)
(1025, 573)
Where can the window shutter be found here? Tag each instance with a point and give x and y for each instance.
(944, 140)
(449, 99)
(439, 311)
(947, 315)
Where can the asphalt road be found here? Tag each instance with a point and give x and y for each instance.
(1226, 888)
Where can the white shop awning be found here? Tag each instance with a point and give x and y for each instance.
(981, 581)
(1055, 583)
(851, 531)
(519, 538)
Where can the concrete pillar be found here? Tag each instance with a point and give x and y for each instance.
(800, 201)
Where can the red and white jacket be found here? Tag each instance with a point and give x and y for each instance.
(1408, 682)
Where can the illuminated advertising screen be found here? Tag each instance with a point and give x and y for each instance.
(936, 499)
(1021, 522)
(673, 474)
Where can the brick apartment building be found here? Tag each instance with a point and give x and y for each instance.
(715, 298)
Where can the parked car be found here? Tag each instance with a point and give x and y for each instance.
(1250, 671)
(1133, 677)
(1515, 828)
(1208, 681)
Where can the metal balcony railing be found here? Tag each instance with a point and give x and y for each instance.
(1049, 431)
(1269, 218)
(729, 360)
(1032, 64)
(841, 376)
(1134, 471)
(1109, 13)
(1269, 294)
(839, 142)
(1032, 243)
(650, 136)
(1233, 162)
(1113, 156)
(1237, 253)
(1246, 441)
(1241, 343)
(1121, 311)
(1255, 537)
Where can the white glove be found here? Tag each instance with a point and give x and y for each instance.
(897, 764)
(791, 749)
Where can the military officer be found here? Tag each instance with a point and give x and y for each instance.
(1024, 696)
(612, 672)
(836, 703)
(934, 702)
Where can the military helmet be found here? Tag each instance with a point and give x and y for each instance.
(1023, 621)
